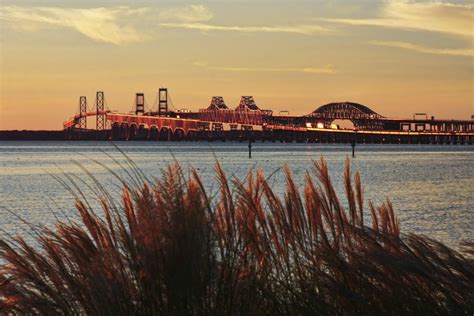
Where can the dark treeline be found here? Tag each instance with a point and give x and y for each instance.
(32, 135)
(330, 137)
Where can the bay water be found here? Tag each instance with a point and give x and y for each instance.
(431, 187)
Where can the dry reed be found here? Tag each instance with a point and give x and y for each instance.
(171, 249)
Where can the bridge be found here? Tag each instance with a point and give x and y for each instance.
(248, 119)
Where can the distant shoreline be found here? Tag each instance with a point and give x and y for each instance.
(331, 137)
(32, 135)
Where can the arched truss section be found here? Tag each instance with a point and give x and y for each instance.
(345, 111)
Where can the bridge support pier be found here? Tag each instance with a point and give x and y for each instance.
(124, 131)
(154, 133)
(165, 134)
(132, 132)
(143, 133)
(178, 135)
(115, 132)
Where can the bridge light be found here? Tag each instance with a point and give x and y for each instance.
(320, 125)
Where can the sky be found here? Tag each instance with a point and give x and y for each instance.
(396, 56)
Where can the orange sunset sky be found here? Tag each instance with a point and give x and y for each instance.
(396, 56)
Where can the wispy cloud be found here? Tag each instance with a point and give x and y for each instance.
(426, 50)
(327, 70)
(188, 14)
(100, 24)
(123, 25)
(435, 16)
(296, 29)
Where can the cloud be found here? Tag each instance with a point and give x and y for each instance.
(426, 50)
(327, 70)
(123, 25)
(99, 24)
(199, 63)
(191, 13)
(297, 29)
(434, 16)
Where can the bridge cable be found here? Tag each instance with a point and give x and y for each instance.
(171, 102)
(145, 105)
(155, 103)
(134, 105)
(106, 107)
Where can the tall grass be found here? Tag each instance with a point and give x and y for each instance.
(171, 249)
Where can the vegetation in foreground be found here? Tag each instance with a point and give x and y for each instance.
(170, 249)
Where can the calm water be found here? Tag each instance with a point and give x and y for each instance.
(431, 187)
